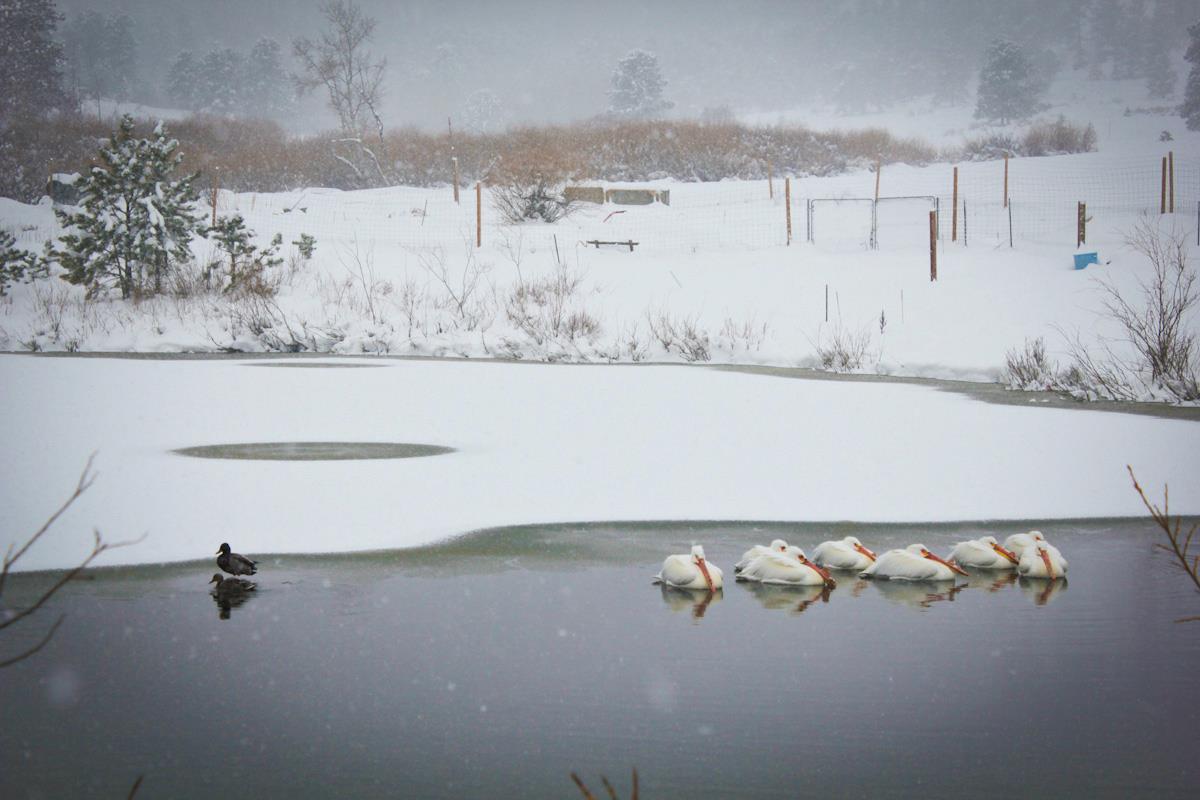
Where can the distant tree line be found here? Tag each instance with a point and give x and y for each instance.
(226, 81)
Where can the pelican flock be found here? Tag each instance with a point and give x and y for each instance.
(780, 564)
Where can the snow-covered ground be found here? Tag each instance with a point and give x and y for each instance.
(396, 271)
(535, 443)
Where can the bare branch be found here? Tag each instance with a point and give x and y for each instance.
(45, 640)
(1180, 545)
(85, 481)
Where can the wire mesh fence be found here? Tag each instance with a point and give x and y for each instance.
(836, 213)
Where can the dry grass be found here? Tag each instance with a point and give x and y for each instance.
(258, 156)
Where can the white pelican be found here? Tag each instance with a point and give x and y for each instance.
(1042, 561)
(849, 553)
(1017, 543)
(790, 568)
(913, 563)
(690, 572)
(776, 546)
(983, 553)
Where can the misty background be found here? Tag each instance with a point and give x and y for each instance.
(549, 61)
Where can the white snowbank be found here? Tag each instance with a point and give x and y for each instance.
(536, 443)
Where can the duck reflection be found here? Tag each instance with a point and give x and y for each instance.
(229, 593)
(1042, 590)
(795, 599)
(919, 594)
(698, 600)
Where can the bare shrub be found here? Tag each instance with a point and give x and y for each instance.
(549, 308)
(1058, 137)
(533, 198)
(682, 335)
(1159, 328)
(1029, 369)
(361, 267)
(990, 147)
(463, 291)
(745, 336)
(844, 350)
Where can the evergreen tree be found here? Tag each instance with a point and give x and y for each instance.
(102, 53)
(637, 87)
(181, 80)
(265, 85)
(1190, 110)
(246, 261)
(31, 81)
(1009, 87)
(120, 57)
(16, 265)
(218, 82)
(134, 221)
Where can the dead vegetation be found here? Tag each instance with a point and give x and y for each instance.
(251, 155)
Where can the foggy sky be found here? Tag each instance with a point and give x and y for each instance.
(551, 60)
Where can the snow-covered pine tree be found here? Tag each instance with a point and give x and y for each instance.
(1008, 86)
(246, 261)
(1190, 109)
(637, 87)
(16, 264)
(135, 220)
(31, 61)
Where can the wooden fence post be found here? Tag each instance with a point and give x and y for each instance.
(455, 160)
(1081, 225)
(216, 189)
(1171, 181)
(954, 210)
(933, 245)
(770, 180)
(479, 214)
(1006, 180)
(878, 168)
(787, 202)
(1162, 202)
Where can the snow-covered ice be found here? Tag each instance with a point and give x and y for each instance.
(535, 443)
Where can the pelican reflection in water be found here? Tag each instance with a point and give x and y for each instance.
(918, 594)
(1042, 590)
(695, 600)
(794, 598)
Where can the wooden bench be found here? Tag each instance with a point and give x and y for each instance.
(630, 244)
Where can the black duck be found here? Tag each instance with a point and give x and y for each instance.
(235, 563)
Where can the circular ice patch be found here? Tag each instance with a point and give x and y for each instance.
(314, 451)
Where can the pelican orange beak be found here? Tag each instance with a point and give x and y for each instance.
(704, 571)
(1009, 554)
(824, 573)
(1049, 567)
(865, 551)
(953, 567)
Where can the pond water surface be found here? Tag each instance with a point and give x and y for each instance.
(496, 664)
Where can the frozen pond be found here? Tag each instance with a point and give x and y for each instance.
(496, 664)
